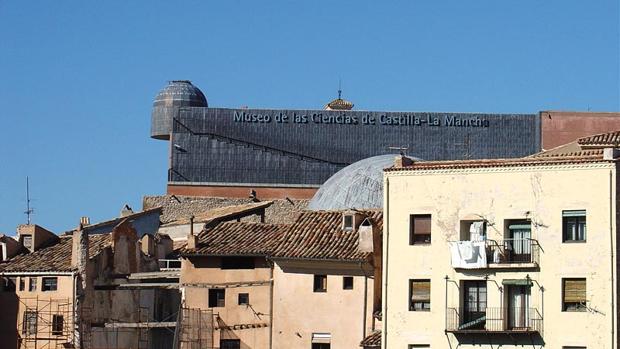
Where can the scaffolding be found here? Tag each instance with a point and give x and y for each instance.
(45, 323)
(194, 329)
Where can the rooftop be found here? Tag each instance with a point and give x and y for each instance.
(222, 213)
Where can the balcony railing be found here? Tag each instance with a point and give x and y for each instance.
(496, 320)
(513, 251)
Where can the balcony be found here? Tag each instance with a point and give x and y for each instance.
(495, 254)
(169, 264)
(510, 320)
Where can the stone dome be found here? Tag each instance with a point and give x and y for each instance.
(178, 94)
(359, 186)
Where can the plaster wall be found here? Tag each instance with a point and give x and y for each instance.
(299, 311)
(538, 193)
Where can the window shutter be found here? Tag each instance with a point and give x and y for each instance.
(422, 225)
(420, 291)
(575, 291)
(573, 213)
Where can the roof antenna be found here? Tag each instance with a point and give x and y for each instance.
(29, 210)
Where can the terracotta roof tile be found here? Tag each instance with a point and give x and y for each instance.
(319, 235)
(373, 340)
(56, 257)
(607, 139)
(237, 239)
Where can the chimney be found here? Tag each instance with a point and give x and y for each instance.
(126, 211)
(402, 161)
(84, 221)
(79, 251)
(192, 240)
(611, 153)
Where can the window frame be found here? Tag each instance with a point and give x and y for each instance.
(319, 286)
(58, 322)
(425, 303)
(215, 301)
(348, 285)
(49, 288)
(574, 307)
(572, 215)
(32, 284)
(420, 239)
(30, 327)
(236, 343)
(247, 298)
(348, 225)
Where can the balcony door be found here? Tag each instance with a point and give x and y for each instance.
(474, 305)
(518, 307)
(519, 244)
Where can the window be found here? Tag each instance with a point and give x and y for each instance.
(420, 295)
(22, 283)
(321, 340)
(29, 323)
(574, 294)
(320, 283)
(420, 229)
(32, 285)
(8, 284)
(27, 241)
(347, 222)
(321, 345)
(574, 225)
(347, 282)
(415, 346)
(244, 298)
(230, 344)
(237, 263)
(58, 322)
(216, 297)
(50, 284)
(572, 347)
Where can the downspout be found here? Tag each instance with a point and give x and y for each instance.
(76, 330)
(272, 265)
(611, 247)
(365, 306)
(387, 259)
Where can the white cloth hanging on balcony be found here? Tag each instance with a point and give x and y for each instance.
(468, 254)
(476, 231)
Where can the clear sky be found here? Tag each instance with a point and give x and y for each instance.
(77, 78)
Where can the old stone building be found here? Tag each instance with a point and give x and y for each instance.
(507, 253)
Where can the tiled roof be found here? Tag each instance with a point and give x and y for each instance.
(55, 258)
(609, 139)
(221, 213)
(319, 235)
(572, 149)
(372, 341)
(237, 239)
(111, 223)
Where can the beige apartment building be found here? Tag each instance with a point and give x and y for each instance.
(514, 253)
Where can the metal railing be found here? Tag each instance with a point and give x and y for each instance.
(499, 320)
(169, 264)
(509, 251)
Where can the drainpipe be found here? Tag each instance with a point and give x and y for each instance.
(387, 259)
(365, 306)
(272, 265)
(611, 247)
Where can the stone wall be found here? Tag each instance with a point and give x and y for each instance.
(178, 207)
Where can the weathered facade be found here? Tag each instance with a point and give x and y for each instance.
(490, 253)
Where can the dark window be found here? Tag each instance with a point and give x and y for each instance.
(415, 346)
(58, 322)
(574, 225)
(244, 298)
(29, 326)
(420, 229)
(216, 297)
(321, 346)
(347, 222)
(573, 347)
(8, 284)
(27, 241)
(320, 283)
(237, 262)
(230, 344)
(22, 283)
(419, 295)
(347, 282)
(50, 284)
(32, 284)
(574, 294)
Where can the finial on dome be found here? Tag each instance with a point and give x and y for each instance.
(339, 103)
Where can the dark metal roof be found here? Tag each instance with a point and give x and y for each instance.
(180, 93)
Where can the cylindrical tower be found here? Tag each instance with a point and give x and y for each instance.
(178, 94)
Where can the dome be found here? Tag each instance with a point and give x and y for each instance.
(178, 94)
(359, 186)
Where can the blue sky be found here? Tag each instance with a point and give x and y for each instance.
(77, 78)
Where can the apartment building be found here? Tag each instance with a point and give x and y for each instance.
(508, 253)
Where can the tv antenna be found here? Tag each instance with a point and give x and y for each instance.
(29, 211)
(401, 149)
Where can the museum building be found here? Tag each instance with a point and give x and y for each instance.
(279, 153)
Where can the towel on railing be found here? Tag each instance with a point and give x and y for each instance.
(468, 254)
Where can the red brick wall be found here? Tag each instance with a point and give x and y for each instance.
(559, 127)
